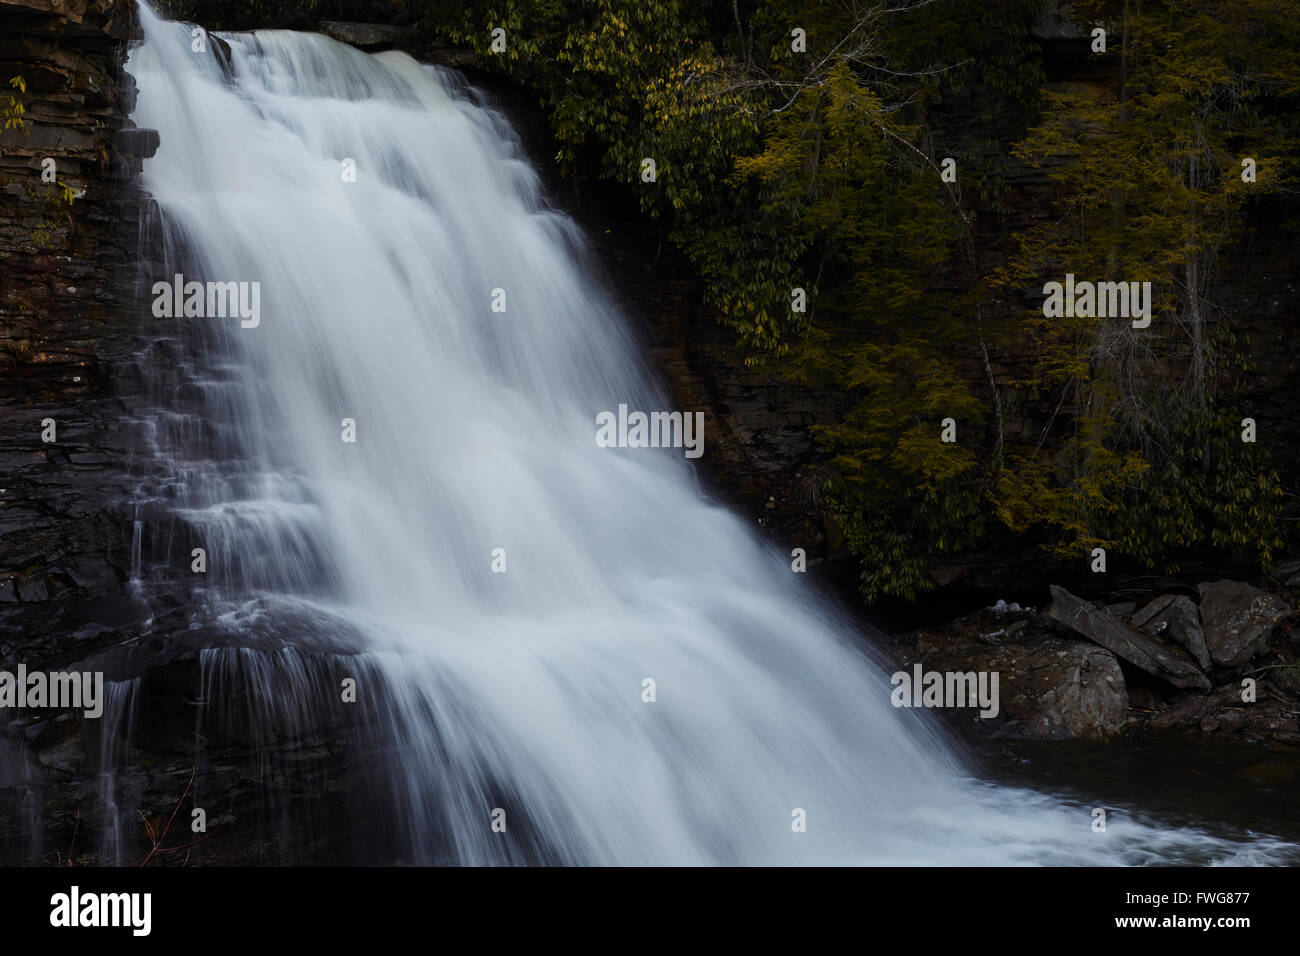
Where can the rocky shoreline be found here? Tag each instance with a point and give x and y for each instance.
(1222, 659)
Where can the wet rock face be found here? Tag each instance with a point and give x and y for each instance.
(66, 306)
(66, 320)
(70, 327)
(62, 264)
(66, 276)
(275, 791)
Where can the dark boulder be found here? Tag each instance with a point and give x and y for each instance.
(1121, 640)
(1238, 620)
(366, 36)
(1173, 617)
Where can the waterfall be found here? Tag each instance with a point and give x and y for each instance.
(484, 690)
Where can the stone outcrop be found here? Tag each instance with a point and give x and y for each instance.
(67, 321)
(1174, 617)
(66, 281)
(366, 36)
(1077, 670)
(1238, 620)
(1129, 645)
(1049, 687)
(70, 327)
(67, 318)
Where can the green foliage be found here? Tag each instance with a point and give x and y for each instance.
(14, 110)
(14, 118)
(54, 203)
(1151, 189)
(622, 82)
(780, 170)
(952, 50)
(902, 495)
(1212, 489)
(259, 14)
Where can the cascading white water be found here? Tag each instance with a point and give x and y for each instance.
(476, 431)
